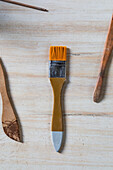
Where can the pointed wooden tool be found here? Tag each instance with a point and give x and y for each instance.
(25, 5)
(107, 52)
(9, 120)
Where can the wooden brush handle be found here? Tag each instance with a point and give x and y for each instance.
(57, 84)
(24, 5)
(107, 52)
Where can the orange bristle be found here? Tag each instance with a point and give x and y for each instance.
(58, 53)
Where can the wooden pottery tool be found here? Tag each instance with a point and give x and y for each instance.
(57, 74)
(9, 120)
(25, 5)
(107, 52)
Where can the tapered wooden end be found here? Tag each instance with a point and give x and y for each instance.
(98, 89)
(11, 129)
(9, 121)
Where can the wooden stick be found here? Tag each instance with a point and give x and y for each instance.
(25, 5)
(107, 52)
(9, 120)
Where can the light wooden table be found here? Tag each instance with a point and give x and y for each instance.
(25, 38)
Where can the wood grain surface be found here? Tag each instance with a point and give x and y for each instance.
(25, 38)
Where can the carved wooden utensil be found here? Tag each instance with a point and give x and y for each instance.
(9, 120)
(107, 52)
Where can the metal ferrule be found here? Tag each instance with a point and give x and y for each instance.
(57, 69)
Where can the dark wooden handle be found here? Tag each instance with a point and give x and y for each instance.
(25, 5)
(106, 55)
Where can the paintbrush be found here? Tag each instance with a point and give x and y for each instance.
(106, 55)
(24, 5)
(57, 75)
